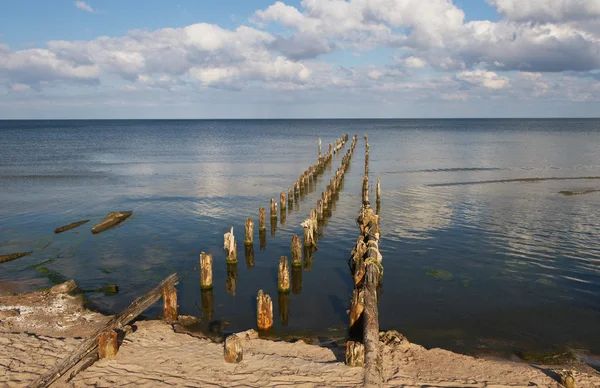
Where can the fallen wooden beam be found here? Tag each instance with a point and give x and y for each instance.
(72, 225)
(113, 219)
(91, 343)
(13, 256)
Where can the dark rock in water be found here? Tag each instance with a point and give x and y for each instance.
(577, 192)
(110, 289)
(13, 256)
(560, 356)
(113, 219)
(72, 225)
(64, 288)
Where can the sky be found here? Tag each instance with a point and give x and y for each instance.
(104, 59)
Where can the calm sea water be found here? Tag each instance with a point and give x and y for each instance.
(475, 256)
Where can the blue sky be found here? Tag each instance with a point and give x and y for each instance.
(311, 58)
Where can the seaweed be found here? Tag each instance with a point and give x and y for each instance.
(440, 274)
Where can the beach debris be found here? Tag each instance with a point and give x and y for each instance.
(233, 351)
(9, 313)
(206, 262)
(567, 378)
(72, 225)
(230, 246)
(249, 334)
(108, 345)
(264, 311)
(13, 256)
(65, 288)
(111, 220)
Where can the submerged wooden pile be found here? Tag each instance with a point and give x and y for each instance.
(362, 347)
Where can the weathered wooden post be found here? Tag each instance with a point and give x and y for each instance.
(233, 351)
(314, 218)
(169, 296)
(282, 201)
(283, 275)
(355, 354)
(206, 262)
(290, 197)
(262, 219)
(273, 208)
(262, 236)
(283, 305)
(296, 280)
(309, 239)
(231, 281)
(207, 300)
(371, 327)
(108, 345)
(365, 189)
(264, 311)
(378, 189)
(249, 235)
(324, 200)
(296, 251)
(319, 148)
(320, 210)
(296, 190)
(230, 246)
(249, 254)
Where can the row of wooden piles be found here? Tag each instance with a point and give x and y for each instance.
(362, 346)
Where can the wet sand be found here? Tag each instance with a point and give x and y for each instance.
(40, 328)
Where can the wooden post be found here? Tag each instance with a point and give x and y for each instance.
(373, 367)
(282, 201)
(309, 239)
(296, 251)
(249, 254)
(273, 208)
(357, 305)
(231, 281)
(207, 301)
(378, 189)
(108, 345)
(296, 190)
(233, 351)
(249, 236)
(169, 296)
(262, 219)
(320, 210)
(283, 305)
(264, 311)
(324, 200)
(206, 262)
(365, 189)
(296, 280)
(355, 354)
(230, 246)
(290, 197)
(313, 217)
(283, 275)
(319, 148)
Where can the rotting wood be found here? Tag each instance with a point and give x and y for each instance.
(273, 208)
(282, 201)
(91, 343)
(206, 262)
(230, 246)
(108, 345)
(72, 225)
(13, 256)
(249, 232)
(373, 363)
(355, 354)
(283, 275)
(170, 308)
(296, 251)
(264, 311)
(233, 350)
(378, 189)
(111, 220)
(262, 219)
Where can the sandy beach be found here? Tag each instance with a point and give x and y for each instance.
(42, 327)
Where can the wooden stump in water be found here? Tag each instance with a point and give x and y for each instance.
(283, 275)
(249, 232)
(313, 217)
(169, 296)
(230, 246)
(365, 189)
(282, 201)
(70, 226)
(378, 188)
(283, 306)
(207, 301)
(309, 233)
(231, 281)
(264, 311)
(233, 351)
(290, 197)
(324, 200)
(108, 345)
(355, 354)
(282, 216)
(262, 219)
(262, 237)
(296, 190)
(273, 208)
(296, 280)
(319, 209)
(296, 251)
(319, 148)
(371, 327)
(249, 254)
(206, 262)
(113, 219)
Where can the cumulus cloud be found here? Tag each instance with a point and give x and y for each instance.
(82, 5)
(547, 10)
(487, 79)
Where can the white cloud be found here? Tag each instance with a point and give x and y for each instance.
(82, 5)
(547, 10)
(414, 62)
(487, 79)
(19, 87)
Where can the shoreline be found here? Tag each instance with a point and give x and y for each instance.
(51, 322)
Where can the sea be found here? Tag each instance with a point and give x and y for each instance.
(490, 228)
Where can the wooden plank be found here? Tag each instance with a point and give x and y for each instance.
(91, 343)
(13, 256)
(72, 225)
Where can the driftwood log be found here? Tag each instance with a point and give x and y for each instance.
(91, 343)
(72, 225)
(113, 219)
(13, 256)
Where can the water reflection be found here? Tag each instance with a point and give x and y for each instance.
(296, 280)
(207, 304)
(308, 257)
(262, 236)
(273, 226)
(283, 306)
(282, 215)
(249, 255)
(231, 281)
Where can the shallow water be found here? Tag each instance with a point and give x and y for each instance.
(480, 248)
